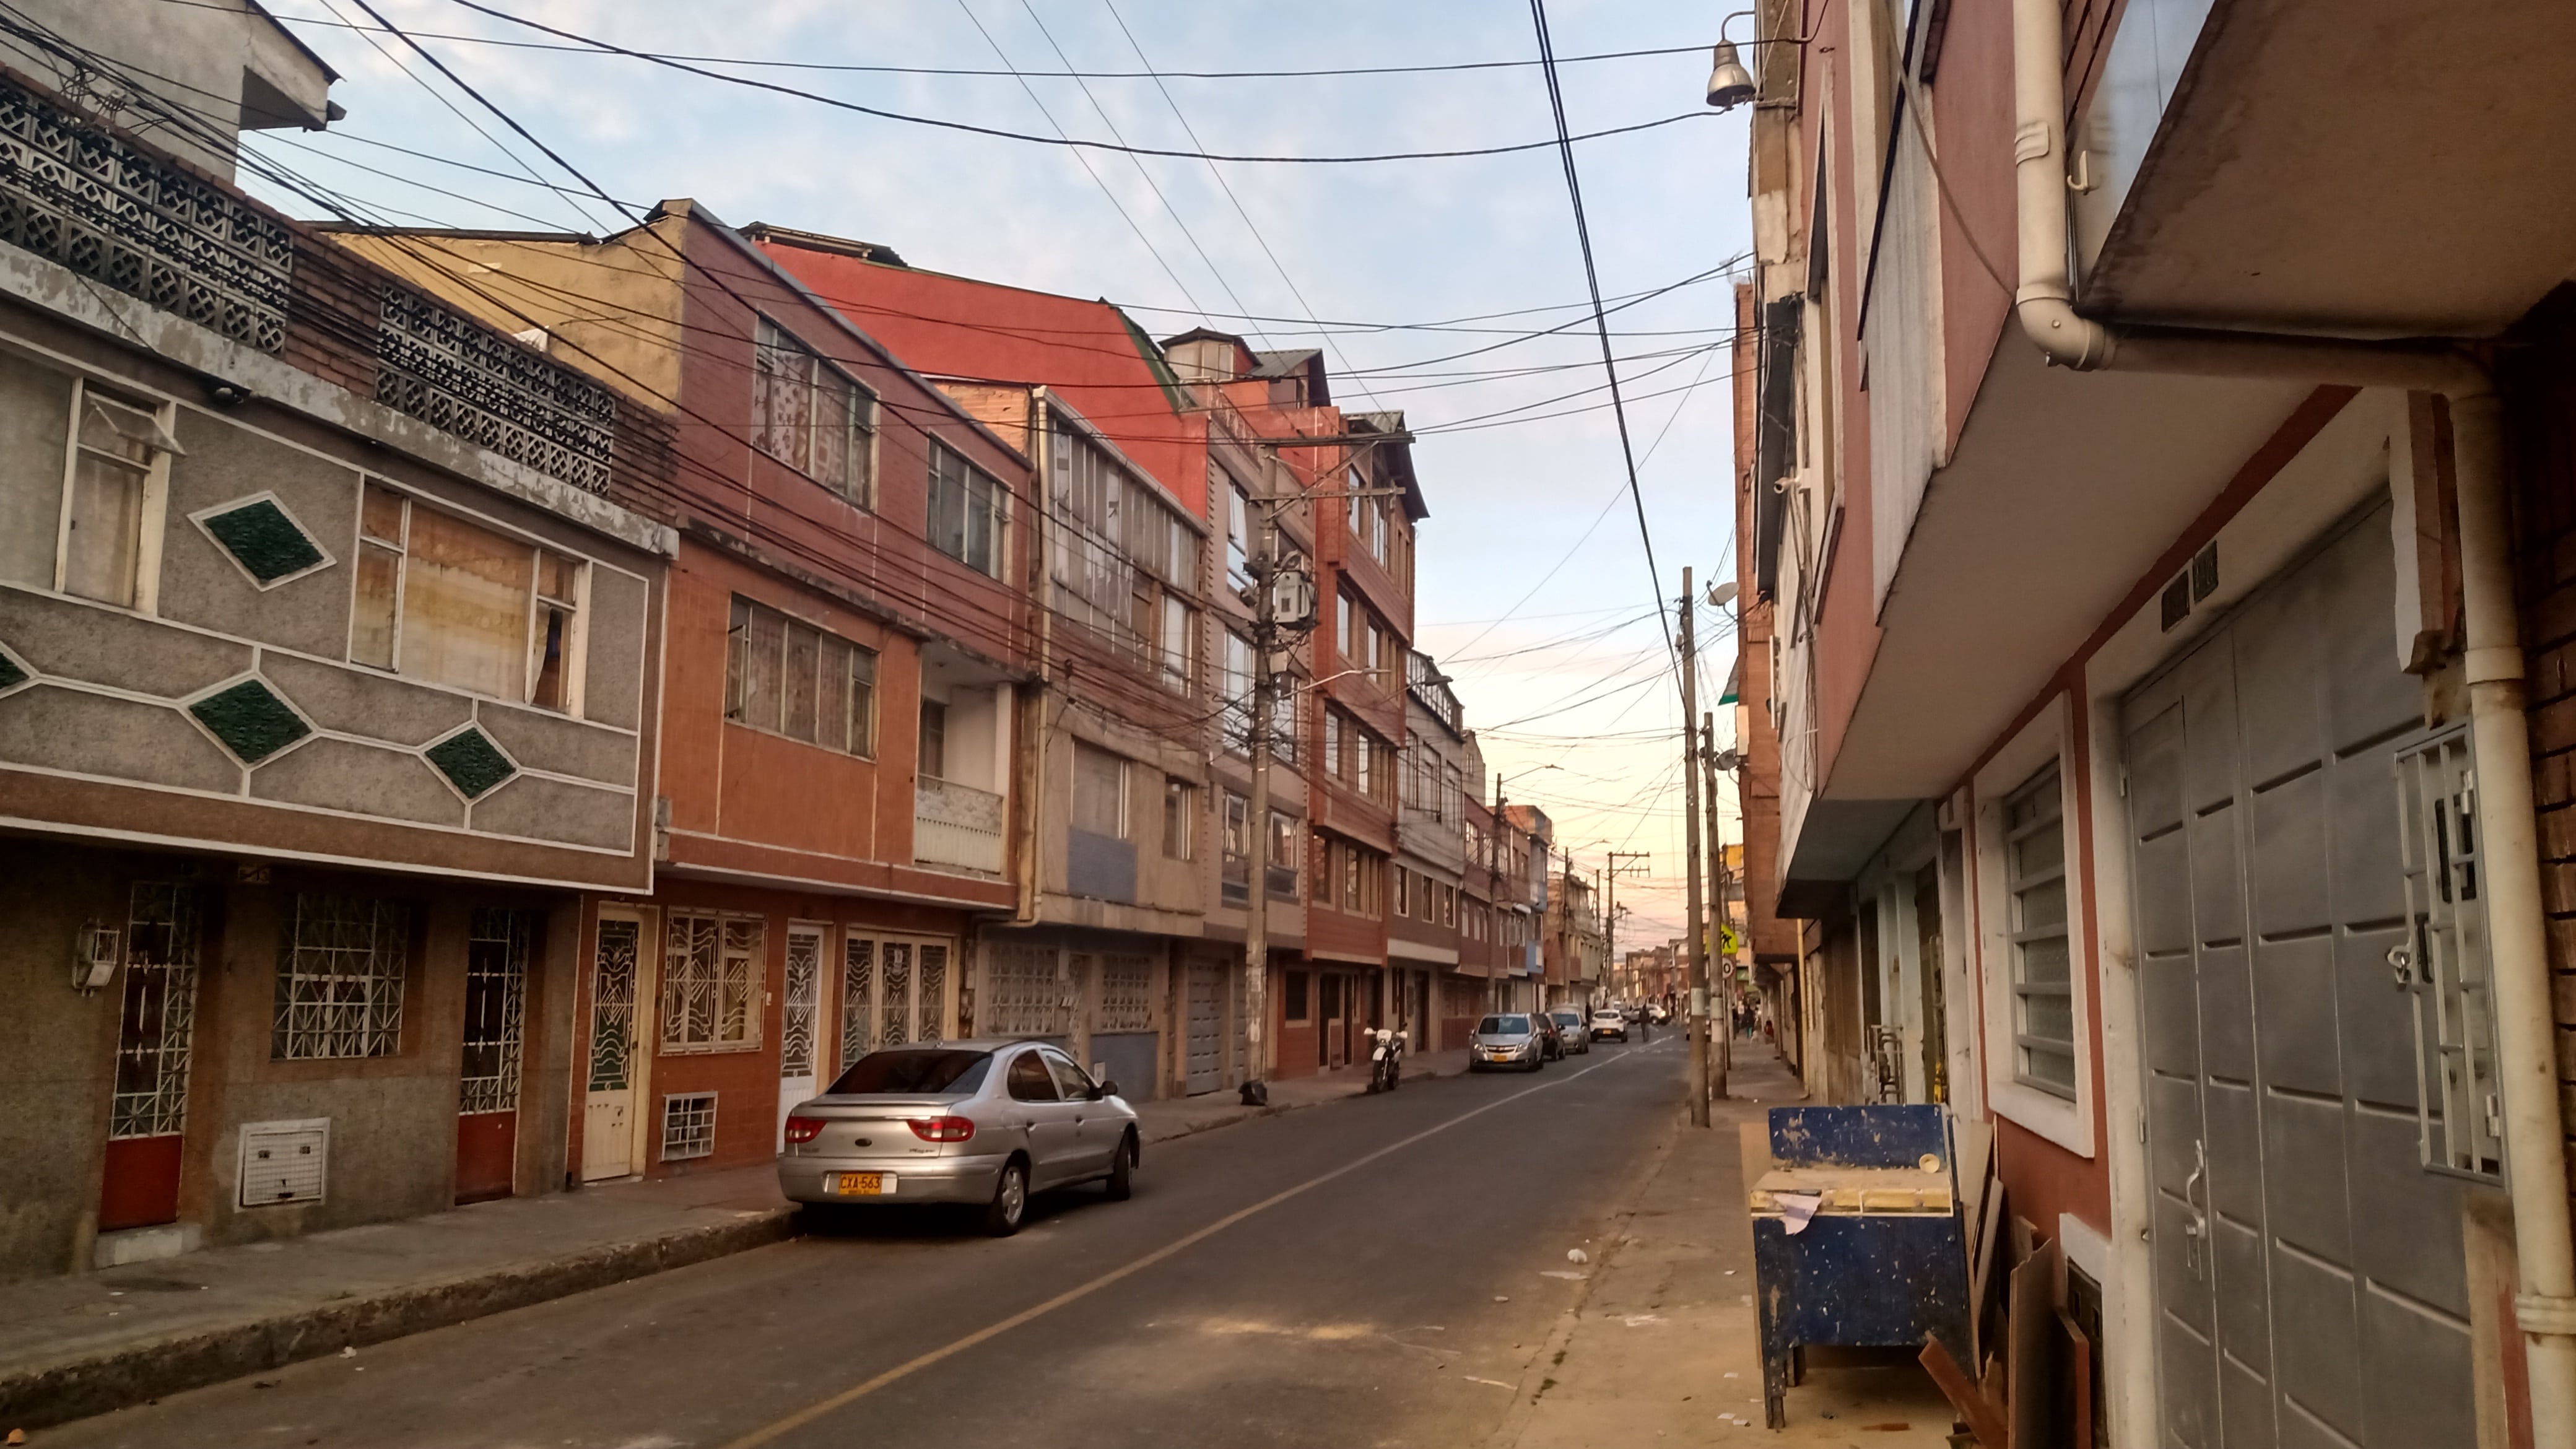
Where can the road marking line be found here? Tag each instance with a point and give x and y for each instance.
(766, 1433)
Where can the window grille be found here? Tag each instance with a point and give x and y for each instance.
(858, 998)
(688, 1126)
(2035, 880)
(497, 947)
(1126, 993)
(804, 999)
(2442, 964)
(1022, 995)
(612, 1006)
(340, 969)
(711, 983)
(159, 1013)
(450, 372)
(895, 1007)
(933, 960)
(73, 194)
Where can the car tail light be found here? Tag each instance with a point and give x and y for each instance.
(804, 1129)
(943, 1129)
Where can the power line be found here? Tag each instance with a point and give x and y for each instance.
(1600, 318)
(998, 133)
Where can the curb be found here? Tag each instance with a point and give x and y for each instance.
(54, 1393)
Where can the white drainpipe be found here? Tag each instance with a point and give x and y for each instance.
(2517, 942)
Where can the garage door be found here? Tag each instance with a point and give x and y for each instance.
(1207, 1028)
(2310, 1279)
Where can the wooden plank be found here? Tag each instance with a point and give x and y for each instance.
(2030, 1375)
(2075, 1380)
(1969, 1402)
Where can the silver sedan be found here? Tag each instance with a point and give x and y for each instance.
(1507, 1039)
(976, 1122)
(1571, 1026)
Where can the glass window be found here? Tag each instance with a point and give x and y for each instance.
(1292, 997)
(965, 511)
(1180, 636)
(1071, 1082)
(2042, 984)
(712, 970)
(785, 676)
(1029, 1080)
(808, 414)
(1099, 791)
(1180, 809)
(1238, 826)
(1236, 687)
(452, 602)
(1238, 526)
(902, 1073)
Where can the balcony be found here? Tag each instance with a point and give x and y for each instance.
(454, 373)
(957, 826)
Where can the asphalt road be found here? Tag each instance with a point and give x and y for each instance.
(1246, 1296)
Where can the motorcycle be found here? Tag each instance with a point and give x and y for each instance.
(1386, 1060)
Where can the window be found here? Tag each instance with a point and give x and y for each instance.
(1071, 1082)
(712, 972)
(1377, 771)
(1292, 996)
(2035, 882)
(965, 511)
(113, 498)
(809, 415)
(1125, 563)
(688, 1125)
(1238, 827)
(1235, 685)
(934, 740)
(1449, 905)
(1099, 791)
(458, 604)
(1403, 891)
(341, 964)
(1029, 1080)
(1180, 808)
(786, 677)
(1334, 749)
(1238, 525)
(1283, 856)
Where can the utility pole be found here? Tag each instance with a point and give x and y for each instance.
(1718, 913)
(1283, 602)
(1695, 1017)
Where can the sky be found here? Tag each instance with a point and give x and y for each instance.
(1533, 588)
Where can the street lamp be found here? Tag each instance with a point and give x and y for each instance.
(1729, 83)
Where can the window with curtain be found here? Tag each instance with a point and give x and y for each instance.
(787, 677)
(452, 602)
(1099, 791)
(810, 415)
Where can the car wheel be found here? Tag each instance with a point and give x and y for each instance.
(1010, 1200)
(1122, 1170)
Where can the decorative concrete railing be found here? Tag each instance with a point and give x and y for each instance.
(957, 825)
(450, 371)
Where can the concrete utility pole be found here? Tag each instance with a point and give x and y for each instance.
(1718, 913)
(1695, 1014)
(1283, 602)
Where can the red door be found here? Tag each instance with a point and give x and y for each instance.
(496, 989)
(155, 1031)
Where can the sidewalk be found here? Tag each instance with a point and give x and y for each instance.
(1664, 1348)
(87, 1343)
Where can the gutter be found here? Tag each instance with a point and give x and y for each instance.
(2500, 729)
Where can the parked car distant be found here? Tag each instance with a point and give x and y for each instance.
(1611, 1022)
(982, 1123)
(1571, 1034)
(1507, 1039)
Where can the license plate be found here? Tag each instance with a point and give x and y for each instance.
(863, 1184)
(1498, 1056)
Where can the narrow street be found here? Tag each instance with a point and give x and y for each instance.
(1405, 1300)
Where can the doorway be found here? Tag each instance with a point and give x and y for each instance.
(155, 1036)
(1927, 937)
(497, 947)
(618, 984)
(2309, 1265)
(798, 1011)
(894, 991)
(1330, 1011)
(1206, 1069)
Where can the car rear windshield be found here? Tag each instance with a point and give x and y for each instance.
(1503, 1026)
(913, 1073)
(1568, 1017)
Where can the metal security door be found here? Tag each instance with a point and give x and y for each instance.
(2310, 1276)
(1207, 1029)
(799, 1011)
(608, 1107)
(155, 1035)
(498, 945)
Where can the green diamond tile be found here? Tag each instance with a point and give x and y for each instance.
(471, 762)
(251, 720)
(267, 542)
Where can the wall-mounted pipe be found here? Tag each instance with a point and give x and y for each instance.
(2517, 941)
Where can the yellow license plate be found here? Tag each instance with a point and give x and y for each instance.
(863, 1184)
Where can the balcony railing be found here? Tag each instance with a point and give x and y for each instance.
(957, 825)
(452, 372)
(74, 193)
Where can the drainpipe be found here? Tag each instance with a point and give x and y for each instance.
(2517, 943)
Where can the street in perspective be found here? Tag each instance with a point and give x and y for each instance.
(1850, 724)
